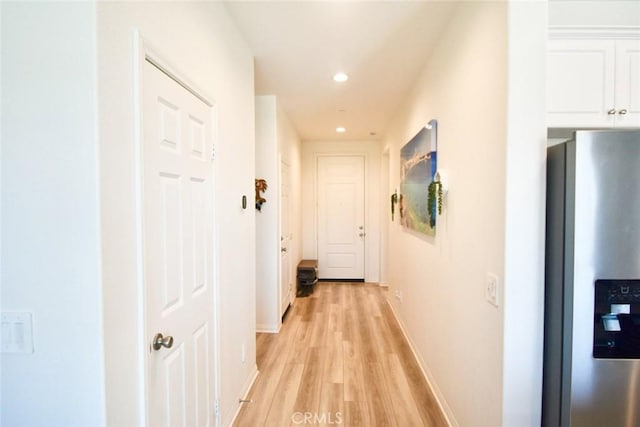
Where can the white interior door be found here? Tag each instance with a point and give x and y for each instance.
(286, 282)
(177, 192)
(341, 228)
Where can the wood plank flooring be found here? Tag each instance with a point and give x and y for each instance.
(339, 359)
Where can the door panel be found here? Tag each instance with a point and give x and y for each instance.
(341, 228)
(201, 365)
(177, 200)
(171, 242)
(174, 373)
(580, 80)
(198, 233)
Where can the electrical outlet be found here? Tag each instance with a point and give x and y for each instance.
(492, 289)
(399, 296)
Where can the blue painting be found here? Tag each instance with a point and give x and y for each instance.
(418, 165)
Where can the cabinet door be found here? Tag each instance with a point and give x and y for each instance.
(628, 83)
(580, 83)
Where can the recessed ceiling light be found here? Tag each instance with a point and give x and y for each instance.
(341, 129)
(340, 77)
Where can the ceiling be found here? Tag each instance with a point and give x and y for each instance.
(299, 46)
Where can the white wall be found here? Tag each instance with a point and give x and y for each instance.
(523, 286)
(276, 139)
(50, 214)
(594, 12)
(267, 234)
(290, 152)
(200, 40)
(456, 333)
(484, 83)
(371, 151)
(385, 191)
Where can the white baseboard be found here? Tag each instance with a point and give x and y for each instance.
(267, 329)
(435, 391)
(245, 391)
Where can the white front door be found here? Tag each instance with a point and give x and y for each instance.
(177, 193)
(286, 283)
(341, 228)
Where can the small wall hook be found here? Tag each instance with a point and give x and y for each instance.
(441, 176)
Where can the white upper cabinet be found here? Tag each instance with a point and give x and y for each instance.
(593, 82)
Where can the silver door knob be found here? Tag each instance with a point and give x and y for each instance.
(283, 250)
(611, 111)
(159, 341)
(623, 111)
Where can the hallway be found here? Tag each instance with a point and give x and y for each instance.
(340, 358)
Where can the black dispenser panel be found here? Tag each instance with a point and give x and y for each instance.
(616, 320)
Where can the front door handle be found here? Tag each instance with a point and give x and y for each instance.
(159, 341)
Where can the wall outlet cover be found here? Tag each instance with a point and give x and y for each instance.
(492, 290)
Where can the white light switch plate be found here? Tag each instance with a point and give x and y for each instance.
(17, 333)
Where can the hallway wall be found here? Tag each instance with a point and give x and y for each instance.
(276, 139)
(267, 239)
(467, 346)
(290, 149)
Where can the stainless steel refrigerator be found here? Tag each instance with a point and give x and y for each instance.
(592, 282)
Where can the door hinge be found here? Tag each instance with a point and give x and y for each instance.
(216, 407)
(213, 151)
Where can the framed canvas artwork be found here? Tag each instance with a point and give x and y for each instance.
(418, 165)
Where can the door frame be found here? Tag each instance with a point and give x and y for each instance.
(367, 220)
(143, 51)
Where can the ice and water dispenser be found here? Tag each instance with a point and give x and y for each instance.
(616, 329)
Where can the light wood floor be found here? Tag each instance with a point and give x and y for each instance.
(339, 359)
